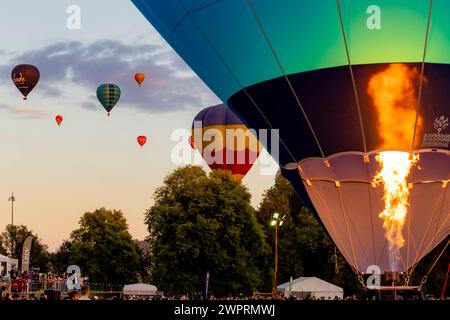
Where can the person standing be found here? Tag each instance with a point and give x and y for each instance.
(85, 292)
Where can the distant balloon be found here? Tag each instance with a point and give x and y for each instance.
(142, 140)
(139, 77)
(191, 142)
(108, 94)
(25, 77)
(59, 119)
(211, 129)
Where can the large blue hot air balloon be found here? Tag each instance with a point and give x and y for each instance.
(342, 81)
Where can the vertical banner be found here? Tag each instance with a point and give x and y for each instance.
(26, 250)
(206, 285)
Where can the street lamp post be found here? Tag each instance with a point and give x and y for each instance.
(277, 221)
(12, 199)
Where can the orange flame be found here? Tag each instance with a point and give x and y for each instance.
(395, 168)
(394, 94)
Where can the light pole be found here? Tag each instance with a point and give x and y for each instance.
(12, 199)
(277, 221)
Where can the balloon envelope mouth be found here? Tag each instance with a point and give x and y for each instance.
(349, 204)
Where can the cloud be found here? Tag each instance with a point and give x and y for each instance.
(24, 112)
(169, 86)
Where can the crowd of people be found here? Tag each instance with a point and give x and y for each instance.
(83, 294)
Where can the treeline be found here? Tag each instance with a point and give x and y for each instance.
(204, 224)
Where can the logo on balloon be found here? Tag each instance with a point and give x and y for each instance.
(440, 124)
(19, 79)
(439, 139)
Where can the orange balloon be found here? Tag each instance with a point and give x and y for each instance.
(59, 119)
(139, 77)
(142, 140)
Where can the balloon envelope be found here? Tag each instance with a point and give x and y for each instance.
(59, 119)
(25, 78)
(224, 141)
(191, 142)
(142, 140)
(108, 94)
(139, 77)
(286, 65)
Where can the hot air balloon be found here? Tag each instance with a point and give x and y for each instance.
(191, 142)
(224, 141)
(142, 140)
(25, 78)
(59, 119)
(108, 94)
(139, 77)
(345, 85)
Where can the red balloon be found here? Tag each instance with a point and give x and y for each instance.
(142, 140)
(59, 119)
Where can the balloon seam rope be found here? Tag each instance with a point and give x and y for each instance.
(408, 241)
(430, 222)
(427, 229)
(335, 230)
(422, 71)
(439, 229)
(385, 240)
(236, 79)
(187, 13)
(435, 262)
(347, 228)
(352, 226)
(249, 2)
(330, 220)
(439, 218)
(355, 91)
(369, 173)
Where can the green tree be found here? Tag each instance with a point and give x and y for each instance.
(304, 248)
(2, 250)
(102, 247)
(12, 240)
(60, 260)
(202, 223)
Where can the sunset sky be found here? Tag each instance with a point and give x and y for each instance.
(91, 161)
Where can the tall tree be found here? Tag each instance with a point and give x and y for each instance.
(304, 248)
(12, 241)
(102, 247)
(2, 250)
(60, 259)
(202, 223)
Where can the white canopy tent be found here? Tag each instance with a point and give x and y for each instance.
(140, 289)
(315, 287)
(5, 265)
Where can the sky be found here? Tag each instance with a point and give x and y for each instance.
(91, 161)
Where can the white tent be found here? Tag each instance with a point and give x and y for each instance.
(315, 287)
(140, 289)
(5, 265)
